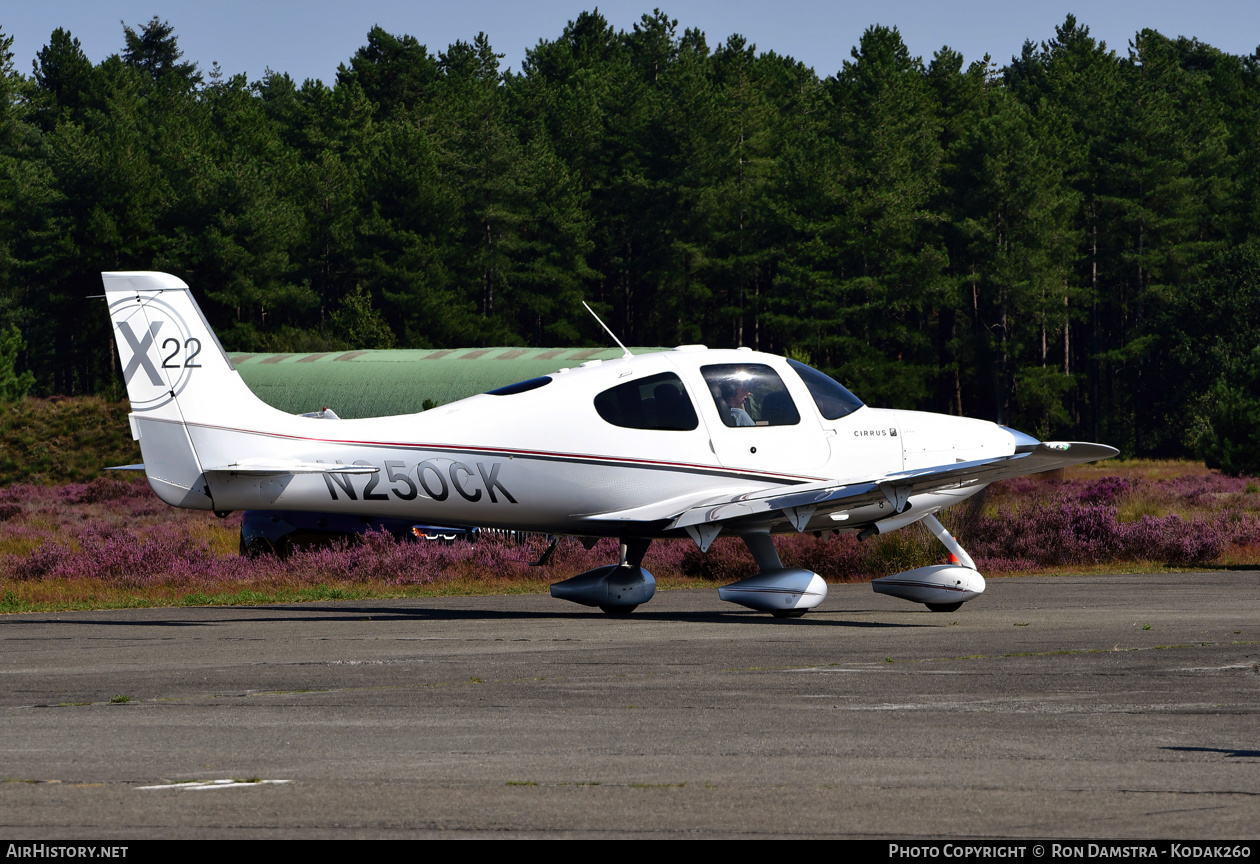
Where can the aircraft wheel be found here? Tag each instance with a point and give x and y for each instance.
(944, 607)
(619, 611)
(789, 613)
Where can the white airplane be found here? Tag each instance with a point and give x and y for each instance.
(691, 442)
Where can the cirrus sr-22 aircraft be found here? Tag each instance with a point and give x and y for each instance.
(693, 442)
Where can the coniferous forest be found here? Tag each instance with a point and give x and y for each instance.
(1068, 243)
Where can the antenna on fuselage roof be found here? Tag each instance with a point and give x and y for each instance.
(609, 332)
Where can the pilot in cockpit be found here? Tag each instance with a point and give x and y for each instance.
(734, 395)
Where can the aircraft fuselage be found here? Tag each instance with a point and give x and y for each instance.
(567, 464)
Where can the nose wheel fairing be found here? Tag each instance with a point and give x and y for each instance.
(940, 587)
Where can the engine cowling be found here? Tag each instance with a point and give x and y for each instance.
(788, 592)
(942, 587)
(614, 588)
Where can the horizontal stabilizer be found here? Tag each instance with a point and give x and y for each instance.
(139, 466)
(280, 467)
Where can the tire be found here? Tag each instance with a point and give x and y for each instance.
(944, 607)
(789, 613)
(618, 611)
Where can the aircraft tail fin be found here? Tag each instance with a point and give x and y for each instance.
(176, 373)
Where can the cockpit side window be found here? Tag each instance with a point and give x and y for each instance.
(750, 394)
(656, 402)
(832, 398)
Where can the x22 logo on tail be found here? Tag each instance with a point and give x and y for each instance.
(157, 349)
(140, 352)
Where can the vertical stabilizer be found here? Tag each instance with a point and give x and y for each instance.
(172, 362)
(176, 373)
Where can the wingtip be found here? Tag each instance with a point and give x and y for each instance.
(1084, 451)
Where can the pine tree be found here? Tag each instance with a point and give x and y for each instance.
(155, 51)
(66, 80)
(395, 72)
(892, 262)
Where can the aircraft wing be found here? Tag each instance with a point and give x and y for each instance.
(799, 504)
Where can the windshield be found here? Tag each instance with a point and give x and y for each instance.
(831, 397)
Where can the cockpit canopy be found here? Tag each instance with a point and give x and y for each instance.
(745, 395)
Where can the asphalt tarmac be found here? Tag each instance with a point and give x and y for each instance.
(1089, 707)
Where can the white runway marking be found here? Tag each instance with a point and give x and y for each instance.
(214, 784)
